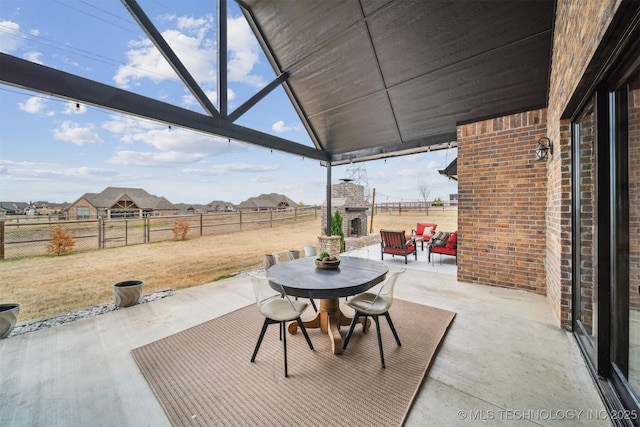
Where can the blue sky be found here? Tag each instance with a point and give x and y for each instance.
(55, 150)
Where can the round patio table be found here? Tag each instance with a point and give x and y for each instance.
(301, 278)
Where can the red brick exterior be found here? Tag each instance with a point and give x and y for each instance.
(502, 202)
(579, 28)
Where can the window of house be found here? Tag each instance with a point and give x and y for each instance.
(82, 212)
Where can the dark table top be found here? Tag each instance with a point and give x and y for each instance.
(302, 278)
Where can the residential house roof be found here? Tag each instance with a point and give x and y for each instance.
(112, 195)
(267, 201)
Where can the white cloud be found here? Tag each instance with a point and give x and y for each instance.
(11, 37)
(170, 146)
(33, 57)
(409, 172)
(280, 127)
(128, 125)
(194, 50)
(42, 171)
(244, 52)
(33, 105)
(188, 99)
(262, 178)
(76, 134)
(153, 159)
(230, 168)
(435, 165)
(194, 43)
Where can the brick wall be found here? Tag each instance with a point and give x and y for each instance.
(502, 202)
(73, 210)
(348, 195)
(579, 27)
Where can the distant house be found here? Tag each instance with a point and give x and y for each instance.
(117, 202)
(267, 202)
(217, 206)
(13, 208)
(220, 206)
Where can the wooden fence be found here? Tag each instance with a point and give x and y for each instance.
(21, 237)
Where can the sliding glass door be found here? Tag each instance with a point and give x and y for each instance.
(625, 242)
(606, 233)
(585, 223)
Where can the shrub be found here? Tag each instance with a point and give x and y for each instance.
(336, 228)
(180, 229)
(61, 241)
(437, 202)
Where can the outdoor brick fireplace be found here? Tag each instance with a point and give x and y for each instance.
(348, 199)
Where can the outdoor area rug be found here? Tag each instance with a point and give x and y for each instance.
(203, 375)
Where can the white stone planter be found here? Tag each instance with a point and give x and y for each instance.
(311, 250)
(8, 318)
(127, 293)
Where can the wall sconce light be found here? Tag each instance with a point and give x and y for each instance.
(543, 151)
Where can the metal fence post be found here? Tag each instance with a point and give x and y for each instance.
(201, 224)
(2, 239)
(104, 234)
(100, 232)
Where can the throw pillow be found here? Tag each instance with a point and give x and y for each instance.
(440, 238)
(428, 232)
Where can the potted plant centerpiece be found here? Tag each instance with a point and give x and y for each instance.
(326, 261)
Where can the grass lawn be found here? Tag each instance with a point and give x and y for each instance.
(49, 285)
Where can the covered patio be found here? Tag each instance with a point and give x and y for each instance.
(389, 78)
(503, 358)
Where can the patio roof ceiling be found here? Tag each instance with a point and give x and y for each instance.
(369, 79)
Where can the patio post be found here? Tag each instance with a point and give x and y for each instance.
(328, 198)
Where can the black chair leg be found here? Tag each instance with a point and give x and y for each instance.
(284, 340)
(395, 334)
(264, 329)
(354, 321)
(304, 332)
(375, 317)
(313, 304)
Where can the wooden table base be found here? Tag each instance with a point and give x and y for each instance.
(329, 320)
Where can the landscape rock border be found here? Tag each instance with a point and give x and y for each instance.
(96, 310)
(83, 313)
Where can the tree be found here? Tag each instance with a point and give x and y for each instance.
(61, 241)
(180, 229)
(424, 191)
(336, 228)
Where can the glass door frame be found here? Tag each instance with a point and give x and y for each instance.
(597, 351)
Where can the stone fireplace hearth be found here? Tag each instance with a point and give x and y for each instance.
(348, 199)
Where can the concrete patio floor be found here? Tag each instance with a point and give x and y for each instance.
(504, 360)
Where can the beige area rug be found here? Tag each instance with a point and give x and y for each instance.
(203, 375)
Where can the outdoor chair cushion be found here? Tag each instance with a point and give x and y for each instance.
(421, 227)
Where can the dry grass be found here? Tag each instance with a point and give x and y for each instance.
(50, 285)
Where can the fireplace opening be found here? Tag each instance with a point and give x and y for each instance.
(356, 225)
